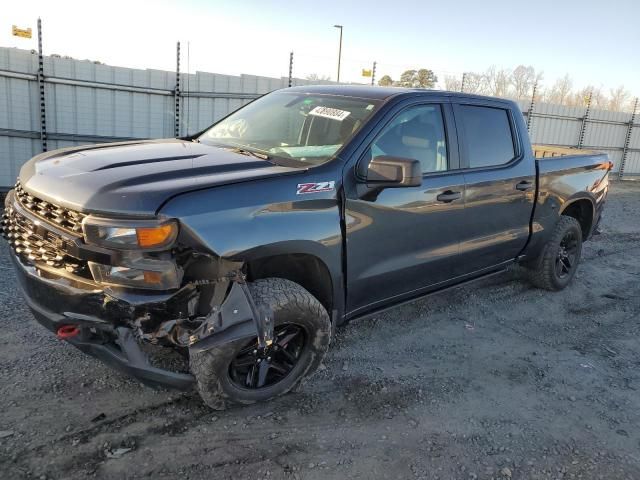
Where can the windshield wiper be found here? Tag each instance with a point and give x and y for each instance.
(250, 153)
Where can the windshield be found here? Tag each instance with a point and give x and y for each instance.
(307, 128)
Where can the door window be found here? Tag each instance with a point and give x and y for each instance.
(417, 133)
(487, 133)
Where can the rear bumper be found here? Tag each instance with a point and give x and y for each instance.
(55, 303)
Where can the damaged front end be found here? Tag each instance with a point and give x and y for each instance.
(112, 288)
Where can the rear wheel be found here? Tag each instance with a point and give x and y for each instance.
(240, 372)
(557, 264)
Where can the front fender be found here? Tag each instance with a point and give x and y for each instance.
(259, 219)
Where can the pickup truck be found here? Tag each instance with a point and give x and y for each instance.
(238, 250)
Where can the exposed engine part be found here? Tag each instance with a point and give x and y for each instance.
(220, 300)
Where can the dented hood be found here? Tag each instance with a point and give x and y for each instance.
(136, 178)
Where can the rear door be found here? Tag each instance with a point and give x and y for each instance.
(499, 184)
(404, 240)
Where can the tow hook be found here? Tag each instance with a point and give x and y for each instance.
(66, 332)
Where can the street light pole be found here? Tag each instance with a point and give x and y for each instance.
(339, 51)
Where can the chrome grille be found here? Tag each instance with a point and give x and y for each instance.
(61, 217)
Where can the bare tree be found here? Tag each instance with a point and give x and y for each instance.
(523, 80)
(452, 83)
(315, 77)
(618, 98)
(497, 81)
(560, 93)
(474, 83)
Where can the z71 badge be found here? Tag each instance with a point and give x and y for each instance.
(315, 187)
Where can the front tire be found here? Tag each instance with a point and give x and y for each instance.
(237, 373)
(557, 265)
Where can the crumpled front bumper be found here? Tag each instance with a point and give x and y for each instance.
(56, 302)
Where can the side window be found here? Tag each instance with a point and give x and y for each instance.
(488, 136)
(417, 133)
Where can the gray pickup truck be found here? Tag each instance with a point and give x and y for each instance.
(238, 250)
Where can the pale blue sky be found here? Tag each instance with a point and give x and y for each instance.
(596, 42)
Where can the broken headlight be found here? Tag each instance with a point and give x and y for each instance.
(138, 272)
(140, 262)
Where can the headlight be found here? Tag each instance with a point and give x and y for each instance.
(138, 272)
(130, 234)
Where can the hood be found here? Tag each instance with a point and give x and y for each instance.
(136, 178)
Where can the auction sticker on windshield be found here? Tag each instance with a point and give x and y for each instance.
(332, 113)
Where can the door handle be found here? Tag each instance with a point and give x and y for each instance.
(524, 186)
(448, 196)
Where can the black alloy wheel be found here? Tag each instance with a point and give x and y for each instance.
(567, 255)
(255, 368)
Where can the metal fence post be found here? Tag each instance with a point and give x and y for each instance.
(585, 119)
(627, 140)
(176, 93)
(373, 74)
(291, 69)
(464, 78)
(43, 113)
(531, 107)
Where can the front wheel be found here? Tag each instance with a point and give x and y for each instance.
(557, 264)
(239, 372)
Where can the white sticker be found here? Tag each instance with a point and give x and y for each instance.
(332, 113)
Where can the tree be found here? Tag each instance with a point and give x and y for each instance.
(315, 77)
(423, 78)
(497, 81)
(523, 80)
(407, 79)
(385, 81)
(426, 78)
(474, 83)
(452, 83)
(618, 98)
(561, 91)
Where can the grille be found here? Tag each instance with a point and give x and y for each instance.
(35, 244)
(63, 218)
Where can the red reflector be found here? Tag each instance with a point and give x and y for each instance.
(67, 331)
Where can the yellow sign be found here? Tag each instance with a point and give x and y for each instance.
(21, 32)
(366, 73)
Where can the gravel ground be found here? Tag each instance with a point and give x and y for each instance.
(490, 380)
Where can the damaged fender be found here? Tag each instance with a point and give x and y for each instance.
(238, 317)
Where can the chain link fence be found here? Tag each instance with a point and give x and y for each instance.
(48, 102)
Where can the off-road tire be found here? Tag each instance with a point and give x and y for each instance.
(542, 273)
(290, 303)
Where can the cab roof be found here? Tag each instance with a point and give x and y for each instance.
(380, 93)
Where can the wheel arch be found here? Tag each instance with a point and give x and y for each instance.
(306, 269)
(583, 210)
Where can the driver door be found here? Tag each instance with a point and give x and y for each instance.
(404, 241)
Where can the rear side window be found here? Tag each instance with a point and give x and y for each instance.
(488, 135)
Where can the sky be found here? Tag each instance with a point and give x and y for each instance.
(594, 41)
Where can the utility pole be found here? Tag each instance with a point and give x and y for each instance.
(373, 74)
(531, 107)
(43, 114)
(339, 51)
(291, 69)
(176, 93)
(464, 78)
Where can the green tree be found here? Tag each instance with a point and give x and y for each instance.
(385, 81)
(422, 78)
(408, 78)
(426, 78)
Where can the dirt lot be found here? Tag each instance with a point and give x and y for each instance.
(492, 380)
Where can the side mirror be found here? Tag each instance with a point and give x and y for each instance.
(390, 172)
